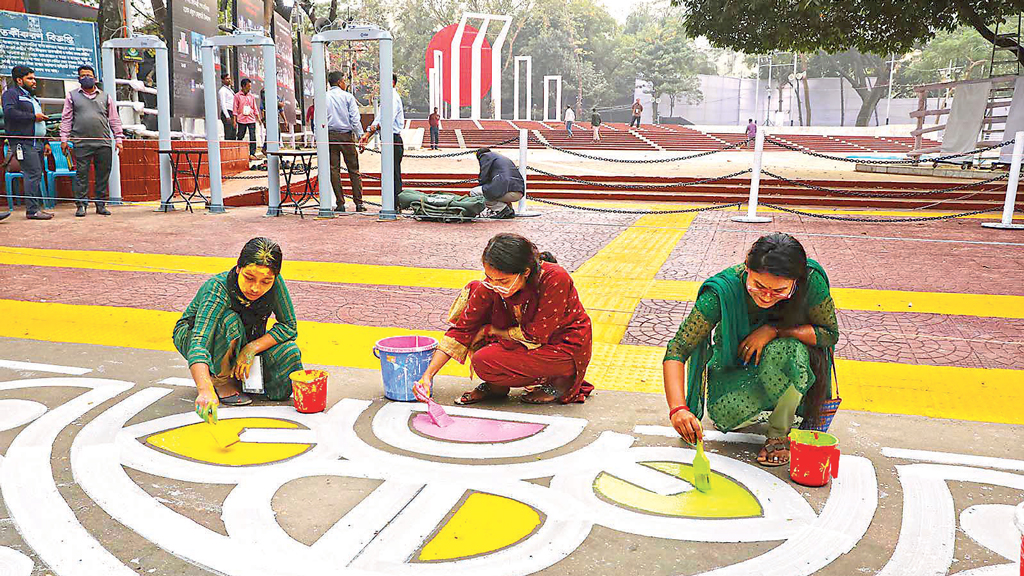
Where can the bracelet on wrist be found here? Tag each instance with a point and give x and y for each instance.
(673, 411)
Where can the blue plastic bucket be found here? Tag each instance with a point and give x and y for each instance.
(403, 360)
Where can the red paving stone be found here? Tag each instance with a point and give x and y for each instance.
(574, 237)
(714, 242)
(906, 338)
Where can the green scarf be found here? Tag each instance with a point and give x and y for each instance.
(733, 328)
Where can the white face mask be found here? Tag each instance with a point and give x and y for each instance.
(504, 291)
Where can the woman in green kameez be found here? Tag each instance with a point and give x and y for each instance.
(775, 330)
(225, 328)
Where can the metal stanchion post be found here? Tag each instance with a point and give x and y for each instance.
(755, 184)
(1011, 188)
(524, 139)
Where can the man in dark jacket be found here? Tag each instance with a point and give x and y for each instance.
(501, 184)
(26, 132)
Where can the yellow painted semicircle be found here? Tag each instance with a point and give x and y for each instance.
(484, 523)
(726, 499)
(196, 442)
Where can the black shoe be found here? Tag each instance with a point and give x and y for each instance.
(4, 215)
(102, 210)
(39, 215)
(80, 211)
(339, 209)
(360, 208)
(507, 213)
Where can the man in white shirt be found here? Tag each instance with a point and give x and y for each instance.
(344, 129)
(569, 118)
(226, 96)
(397, 125)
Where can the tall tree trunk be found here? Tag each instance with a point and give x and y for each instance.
(842, 103)
(109, 22)
(332, 14)
(807, 88)
(268, 14)
(159, 14)
(799, 108)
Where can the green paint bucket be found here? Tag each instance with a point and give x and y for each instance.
(813, 457)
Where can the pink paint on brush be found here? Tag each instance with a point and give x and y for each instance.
(438, 415)
(477, 430)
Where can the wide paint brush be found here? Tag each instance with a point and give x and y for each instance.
(223, 436)
(701, 469)
(440, 418)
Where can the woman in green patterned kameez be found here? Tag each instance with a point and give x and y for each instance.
(225, 328)
(775, 330)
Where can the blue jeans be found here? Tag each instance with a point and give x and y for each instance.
(568, 127)
(32, 172)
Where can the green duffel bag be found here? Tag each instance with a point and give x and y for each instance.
(441, 207)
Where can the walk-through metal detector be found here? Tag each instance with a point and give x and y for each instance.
(210, 83)
(364, 32)
(163, 107)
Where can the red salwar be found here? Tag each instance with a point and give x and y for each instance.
(551, 337)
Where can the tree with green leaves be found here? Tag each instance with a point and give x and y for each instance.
(869, 26)
(660, 53)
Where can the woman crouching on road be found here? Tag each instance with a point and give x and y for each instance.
(775, 331)
(523, 325)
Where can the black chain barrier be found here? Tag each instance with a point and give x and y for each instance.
(626, 211)
(793, 148)
(454, 154)
(638, 186)
(638, 160)
(881, 220)
(816, 188)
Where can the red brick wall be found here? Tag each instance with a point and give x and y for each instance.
(140, 168)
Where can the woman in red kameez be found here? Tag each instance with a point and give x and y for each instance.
(523, 325)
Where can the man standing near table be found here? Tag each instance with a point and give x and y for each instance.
(343, 130)
(396, 128)
(25, 125)
(226, 96)
(87, 121)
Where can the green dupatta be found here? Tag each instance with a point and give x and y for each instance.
(734, 326)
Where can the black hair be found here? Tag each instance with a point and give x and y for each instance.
(394, 79)
(750, 119)
(20, 71)
(514, 254)
(780, 254)
(481, 151)
(86, 67)
(334, 78)
(225, 75)
(261, 252)
(245, 82)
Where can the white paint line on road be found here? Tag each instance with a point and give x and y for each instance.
(33, 367)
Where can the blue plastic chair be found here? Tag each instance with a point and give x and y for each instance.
(9, 179)
(62, 167)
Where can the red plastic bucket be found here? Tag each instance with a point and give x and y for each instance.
(813, 457)
(309, 390)
(1019, 521)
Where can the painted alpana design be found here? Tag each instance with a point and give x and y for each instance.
(431, 518)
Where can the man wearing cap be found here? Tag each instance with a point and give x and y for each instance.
(26, 131)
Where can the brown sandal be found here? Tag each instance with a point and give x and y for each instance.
(486, 393)
(546, 389)
(772, 445)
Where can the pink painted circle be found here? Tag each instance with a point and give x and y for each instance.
(476, 430)
(442, 41)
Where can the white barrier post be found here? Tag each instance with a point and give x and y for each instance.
(1011, 188)
(524, 139)
(755, 184)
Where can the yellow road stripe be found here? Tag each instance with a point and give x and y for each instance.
(987, 395)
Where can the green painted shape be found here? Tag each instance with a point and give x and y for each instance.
(812, 438)
(726, 499)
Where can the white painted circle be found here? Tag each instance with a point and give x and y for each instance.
(15, 412)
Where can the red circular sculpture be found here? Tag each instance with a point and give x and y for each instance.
(443, 41)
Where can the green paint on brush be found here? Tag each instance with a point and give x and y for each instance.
(701, 469)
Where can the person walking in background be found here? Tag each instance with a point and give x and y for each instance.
(398, 122)
(569, 118)
(751, 131)
(226, 97)
(638, 109)
(246, 110)
(25, 125)
(343, 130)
(88, 119)
(435, 129)
(595, 122)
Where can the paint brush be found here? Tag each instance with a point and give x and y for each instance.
(222, 435)
(438, 415)
(701, 469)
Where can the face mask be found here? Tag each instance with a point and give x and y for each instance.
(504, 291)
(87, 82)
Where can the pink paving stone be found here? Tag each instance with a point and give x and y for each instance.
(475, 430)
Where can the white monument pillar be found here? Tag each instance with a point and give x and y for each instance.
(558, 98)
(529, 88)
(476, 63)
